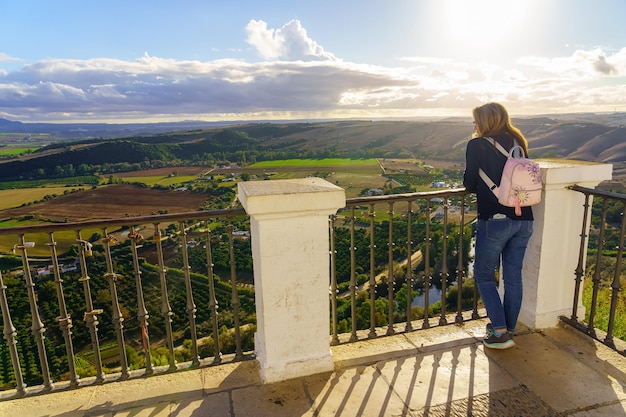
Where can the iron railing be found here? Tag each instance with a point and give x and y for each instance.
(600, 272)
(132, 299)
(422, 243)
(120, 243)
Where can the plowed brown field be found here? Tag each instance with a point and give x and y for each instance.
(108, 202)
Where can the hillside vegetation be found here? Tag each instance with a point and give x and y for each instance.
(255, 142)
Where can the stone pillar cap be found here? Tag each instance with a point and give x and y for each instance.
(293, 195)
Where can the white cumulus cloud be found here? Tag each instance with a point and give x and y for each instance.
(290, 42)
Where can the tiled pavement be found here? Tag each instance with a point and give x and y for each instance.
(444, 371)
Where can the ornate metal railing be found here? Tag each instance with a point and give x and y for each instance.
(600, 272)
(423, 242)
(140, 296)
(105, 266)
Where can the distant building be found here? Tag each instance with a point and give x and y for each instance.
(375, 191)
(47, 270)
(440, 212)
(241, 234)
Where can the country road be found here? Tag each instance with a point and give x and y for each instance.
(416, 258)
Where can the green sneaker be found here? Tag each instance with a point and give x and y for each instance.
(504, 341)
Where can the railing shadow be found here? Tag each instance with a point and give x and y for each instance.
(442, 372)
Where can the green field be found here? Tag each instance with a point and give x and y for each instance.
(50, 182)
(15, 198)
(326, 162)
(15, 151)
(353, 175)
(64, 239)
(160, 180)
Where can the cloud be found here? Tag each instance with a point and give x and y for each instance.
(582, 64)
(290, 42)
(604, 67)
(7, 58)
(301, 80)
(163, 86)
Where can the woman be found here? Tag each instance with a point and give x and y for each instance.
(500, 233)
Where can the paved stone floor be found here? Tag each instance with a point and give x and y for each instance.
(444, 371)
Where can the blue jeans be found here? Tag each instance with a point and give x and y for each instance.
(507, 238)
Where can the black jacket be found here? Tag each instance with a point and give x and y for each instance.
(481, 153)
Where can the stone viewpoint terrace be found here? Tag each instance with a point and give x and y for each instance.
(440, 370)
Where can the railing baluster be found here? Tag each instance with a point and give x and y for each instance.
(191, 306)
(615, 285)
(597, 273)
(118, 319)
(353, 335)
(142, 314)
(10, 335)
(166, 309)
(91, 315)
(475, 314)
(38, 329)
(427, 271)
(409, 266)
(390, 277)
(236, 304)
(460, 271)
(64, 319)
(372, 282)
(580, 268)
(213, 305)
(333, 281)
(444, 263)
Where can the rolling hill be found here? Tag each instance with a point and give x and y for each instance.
(589, 137)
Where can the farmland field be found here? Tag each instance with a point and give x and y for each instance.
(158, 180)
(114, 201)
(15, 198)
(111, 201)
(15, 151)
(121, 200)
(64, 239)
(326, 162)
(163, 172)
(351, 174)
(162, 176)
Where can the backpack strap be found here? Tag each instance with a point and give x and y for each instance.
(499, 147)
(492, 185)
(508, 154)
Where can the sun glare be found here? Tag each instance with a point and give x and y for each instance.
(483, 28)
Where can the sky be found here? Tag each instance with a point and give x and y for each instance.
(121, 61)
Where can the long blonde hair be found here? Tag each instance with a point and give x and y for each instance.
(492, 119)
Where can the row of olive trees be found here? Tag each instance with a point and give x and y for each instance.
(381, 256)
(75, 302)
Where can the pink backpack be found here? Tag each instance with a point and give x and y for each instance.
(520, 184)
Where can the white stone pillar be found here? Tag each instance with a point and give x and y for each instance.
(290, 251)
(552, 255)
